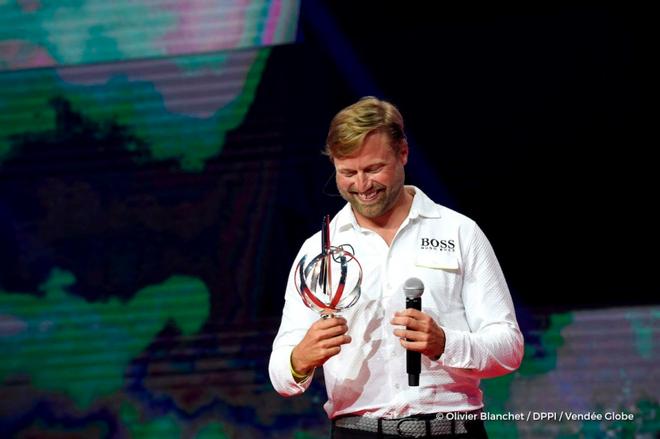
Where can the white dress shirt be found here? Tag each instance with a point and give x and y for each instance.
(465, 293)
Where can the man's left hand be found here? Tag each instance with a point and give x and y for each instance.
(421, 333)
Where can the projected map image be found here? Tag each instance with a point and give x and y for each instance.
(131, 237)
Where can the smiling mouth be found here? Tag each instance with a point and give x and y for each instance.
(368, 197)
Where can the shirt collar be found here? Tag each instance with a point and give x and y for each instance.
(422, 206)
(345, 218)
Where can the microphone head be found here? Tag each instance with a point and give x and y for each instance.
(413, 288)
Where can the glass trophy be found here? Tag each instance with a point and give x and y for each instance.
(329, 282)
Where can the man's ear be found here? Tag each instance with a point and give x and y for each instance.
(403, 152)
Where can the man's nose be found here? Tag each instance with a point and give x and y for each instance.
(363, 182)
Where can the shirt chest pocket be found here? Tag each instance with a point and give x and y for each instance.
(442, 277)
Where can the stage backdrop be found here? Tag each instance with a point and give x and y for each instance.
(160, 166)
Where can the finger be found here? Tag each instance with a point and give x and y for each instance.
(416, 346)
(414, 336)
(328, 323)
(405, 334)
(410, 323)
(401, 320)
(337, 341)
(332, 351)
(333, 331)
(411, 312)
(335, 319)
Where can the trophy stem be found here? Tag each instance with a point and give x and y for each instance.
(328, 272)
(326, 263)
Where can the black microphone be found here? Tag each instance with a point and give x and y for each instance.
(413, 289)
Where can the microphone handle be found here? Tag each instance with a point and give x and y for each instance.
(413, 359)
(415, 303)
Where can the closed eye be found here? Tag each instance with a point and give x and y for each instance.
(374, 169)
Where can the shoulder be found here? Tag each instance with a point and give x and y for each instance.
(436, 219)
(454, 216)
(313, 241)
(430, 210)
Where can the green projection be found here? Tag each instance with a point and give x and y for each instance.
(143, 98)
(112, 112)
(598, 362)
(35, 34)
(166, 426)
(177, 75)
(66, 344)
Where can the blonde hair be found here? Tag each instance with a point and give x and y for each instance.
(351, 125)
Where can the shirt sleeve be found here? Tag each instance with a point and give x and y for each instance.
(494, 345)
(296, 319)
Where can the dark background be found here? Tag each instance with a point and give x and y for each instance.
(529, 120)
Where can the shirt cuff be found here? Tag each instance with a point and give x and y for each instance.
(279, 369)
(457, 349)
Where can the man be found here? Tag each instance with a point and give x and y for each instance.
(467, 328)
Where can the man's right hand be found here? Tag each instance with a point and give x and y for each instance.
(322, 341)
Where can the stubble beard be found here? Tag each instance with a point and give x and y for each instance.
(387, 198)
